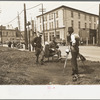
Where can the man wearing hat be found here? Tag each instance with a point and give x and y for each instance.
(38, 46)
(73, 40)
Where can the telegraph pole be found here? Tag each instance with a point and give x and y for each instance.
(19, 25)
(18, 21)
(25, 29)
(1, 36)
(28, 24)
(55, 25)
(43, 23)
(99, 28)
(42, 10)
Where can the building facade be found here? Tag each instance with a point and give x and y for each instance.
(7, 34)
(57, 21)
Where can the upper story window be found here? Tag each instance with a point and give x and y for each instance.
(57, 23)
(89, 18)
(79, 15)
(72, 14)
(85, 25)
(79, 25)
(49, 25)
(40, 28)
(49, 16)
(40, 19)
(90, 25)
(94, 26)
(7, 33)
(56, 14)
(85, 17)
(46, 26)
(45, 18)
(52, 25)
(94, 19)
(72, 23)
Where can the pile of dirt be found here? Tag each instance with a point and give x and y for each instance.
(19, 68)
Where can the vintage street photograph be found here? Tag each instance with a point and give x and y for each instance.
(49, 43)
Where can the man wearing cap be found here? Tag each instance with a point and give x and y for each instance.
(38, 46)
(73, 40)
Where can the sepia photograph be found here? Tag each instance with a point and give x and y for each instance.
(49, 43)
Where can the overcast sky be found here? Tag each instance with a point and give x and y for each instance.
(9, 9)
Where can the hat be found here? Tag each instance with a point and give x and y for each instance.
(70, 29)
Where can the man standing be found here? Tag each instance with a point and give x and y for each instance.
(73, 40)
(37, 43)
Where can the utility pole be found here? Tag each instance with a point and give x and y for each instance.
(43, 23)
(32, 21)
(43, 10)
(18, 21)
(55, 25)
(19, 25)
(99, 28)
(1, 36)
(25, 29)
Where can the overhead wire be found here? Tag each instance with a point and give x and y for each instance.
(35, 7)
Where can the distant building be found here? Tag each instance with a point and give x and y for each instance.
(65, 17)
(7, 35)
(32, 35)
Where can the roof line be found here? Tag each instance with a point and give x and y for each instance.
(63, 6)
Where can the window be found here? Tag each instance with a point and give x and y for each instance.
(51, 35)
(72, 23)
(58, 35)
(56, 14)
(57, 23)
(45, 18)
(94, 19)
(89, 18)
(79, 25)
(52, 25)
(85, 17)
(72, 14)
(49, 25)
(94, 26)
(85, 25)
(90, 25)
(46, 36)
(7, 33)
(40, 28)
(46, 26)
(40, 19)
(49, 16)
(79, 15)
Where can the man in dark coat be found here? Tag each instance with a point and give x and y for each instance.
(37, 43)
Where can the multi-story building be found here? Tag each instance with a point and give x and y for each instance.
(58, 20)
(7, 34)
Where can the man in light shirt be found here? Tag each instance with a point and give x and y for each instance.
(73, 40)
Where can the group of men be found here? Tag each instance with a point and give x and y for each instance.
(72, 41)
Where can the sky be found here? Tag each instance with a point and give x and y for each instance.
(10, 9)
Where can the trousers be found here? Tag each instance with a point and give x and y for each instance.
(74, 53)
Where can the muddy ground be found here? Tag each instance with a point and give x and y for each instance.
(19, 68)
